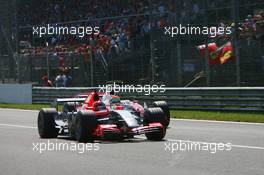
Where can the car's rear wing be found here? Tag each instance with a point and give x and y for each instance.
(57, 101)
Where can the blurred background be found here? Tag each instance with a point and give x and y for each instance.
(132, 47)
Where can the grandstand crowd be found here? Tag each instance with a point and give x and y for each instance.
(117, 35)
(131, 20)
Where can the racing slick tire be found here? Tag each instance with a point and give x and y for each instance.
(86, 123)
(152, 115)
(165, 107)
(46, 123)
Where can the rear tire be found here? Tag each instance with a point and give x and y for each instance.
(86, 123)
(46, 123)
(152, 115)
(165, 108)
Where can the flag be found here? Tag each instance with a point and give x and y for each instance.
(218, 54)
(212, 50)
(226, 53)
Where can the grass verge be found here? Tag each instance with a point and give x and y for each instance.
(180, 114)
(25, 106)
(219, 116)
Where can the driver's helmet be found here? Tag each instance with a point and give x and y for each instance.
(115, 100)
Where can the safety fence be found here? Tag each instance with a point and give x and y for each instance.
(218, 98)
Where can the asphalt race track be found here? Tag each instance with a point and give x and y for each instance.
(18, 134)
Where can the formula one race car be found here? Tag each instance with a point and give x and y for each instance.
(133, 105)
(103, 116)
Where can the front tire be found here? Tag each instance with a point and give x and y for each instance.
(85, 125)
(46, 123)
(153, 115)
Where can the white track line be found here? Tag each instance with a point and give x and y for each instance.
(18, 126)
(249, 147)
(22, 110)
(170, 140)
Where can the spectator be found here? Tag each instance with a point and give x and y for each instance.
(46, 81)
(67, 79)
(60, 79)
